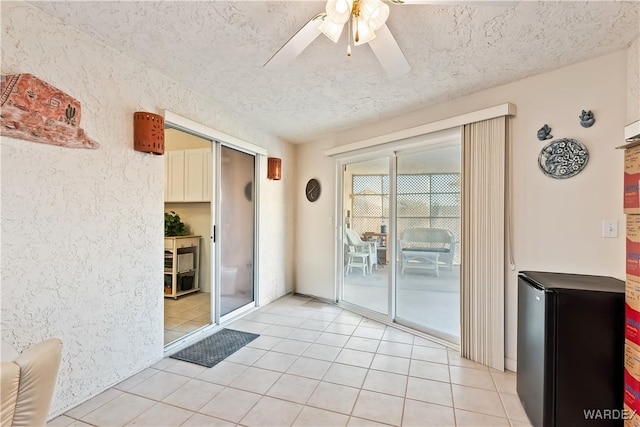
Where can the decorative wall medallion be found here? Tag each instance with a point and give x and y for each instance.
(33, 110)
(544, 133)
(563, 158)
(586, 119)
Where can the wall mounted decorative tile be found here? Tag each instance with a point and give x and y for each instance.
(34, 110)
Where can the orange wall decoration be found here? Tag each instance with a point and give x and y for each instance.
(33, 110)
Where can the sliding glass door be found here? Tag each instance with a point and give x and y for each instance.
(428, 250)
(366, 219)
(401, 239)
(188, 269)
(237, 230)
(210, 265)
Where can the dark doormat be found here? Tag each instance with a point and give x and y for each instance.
(215, 348)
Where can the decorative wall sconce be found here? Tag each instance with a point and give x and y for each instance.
(148, 132)
(274, 168)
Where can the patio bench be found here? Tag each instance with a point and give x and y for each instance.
(426, 248)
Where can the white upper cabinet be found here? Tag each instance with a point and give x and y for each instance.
(193, 175)
(174, 176)
(188, 175)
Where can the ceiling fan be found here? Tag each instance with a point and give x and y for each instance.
(366, 23)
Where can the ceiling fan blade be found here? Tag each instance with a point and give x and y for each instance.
(388, 52)
(296, 44)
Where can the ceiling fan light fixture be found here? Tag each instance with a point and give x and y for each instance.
(362, 33)
(362, 18)
(374, 12)
(339, 11)
(330, 29)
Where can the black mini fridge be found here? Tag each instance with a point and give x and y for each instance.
(570, 347)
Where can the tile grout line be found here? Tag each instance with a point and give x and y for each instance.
(453, 401)
(406, 386)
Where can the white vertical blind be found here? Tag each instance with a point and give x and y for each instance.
(483, 242)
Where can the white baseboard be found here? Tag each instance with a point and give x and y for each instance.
(510, 364)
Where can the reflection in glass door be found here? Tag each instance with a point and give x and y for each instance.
(237, 229)
(365, 225)
(188, 262)
(428, 249)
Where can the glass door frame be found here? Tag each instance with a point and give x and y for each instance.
(399, 320)
(217, 138)
(213, 325)
(219, 238)
(390, 151)
(342, 163)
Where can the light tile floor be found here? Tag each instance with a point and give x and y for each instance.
(313, 365)
(186, 314)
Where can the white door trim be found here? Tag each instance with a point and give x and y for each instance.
(174, 119)
(506, 109)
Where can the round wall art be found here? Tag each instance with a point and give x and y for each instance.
(563, 158)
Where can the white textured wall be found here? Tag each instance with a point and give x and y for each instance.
(82, 230)
(633, 82)
(315, 231)
(276, 220)
(558, 223)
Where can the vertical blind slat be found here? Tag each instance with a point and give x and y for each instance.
(483, 240)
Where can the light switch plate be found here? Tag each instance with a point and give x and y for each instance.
(610, 228)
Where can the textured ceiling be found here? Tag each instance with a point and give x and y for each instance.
(219, 48)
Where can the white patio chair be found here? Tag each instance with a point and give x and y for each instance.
(360, 254)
